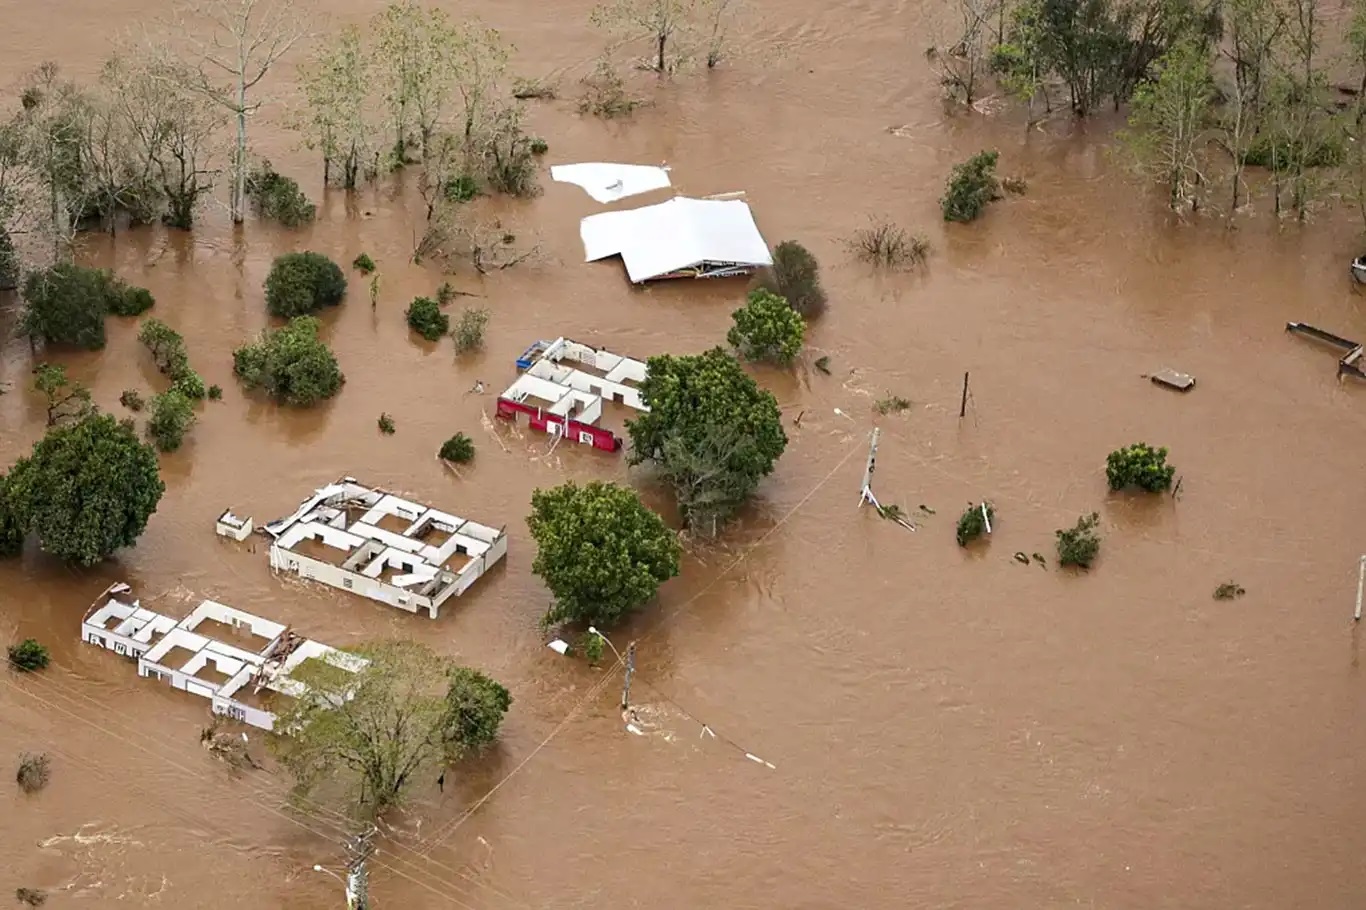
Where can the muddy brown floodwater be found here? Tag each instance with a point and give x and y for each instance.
(949, 728)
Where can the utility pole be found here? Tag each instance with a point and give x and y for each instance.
(963, 406)
(630, 669)
(1361, 588)
(866, 490)
(357, 876)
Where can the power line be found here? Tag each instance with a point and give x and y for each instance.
(194, 776)
(340, 822)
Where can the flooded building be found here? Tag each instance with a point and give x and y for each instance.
(563, 386)
(384, 547)
(234, 659)
(681, 238)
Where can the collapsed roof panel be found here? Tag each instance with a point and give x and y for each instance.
(610, 182)
(683, 237)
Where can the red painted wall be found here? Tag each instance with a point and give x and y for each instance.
(599, 438)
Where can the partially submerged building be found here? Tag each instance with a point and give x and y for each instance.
(234, 659)
(680, 238)
(384, 547)
(563, 386)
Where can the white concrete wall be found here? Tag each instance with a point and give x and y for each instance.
(348, 581)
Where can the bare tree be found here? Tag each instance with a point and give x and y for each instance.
(963, 63)
(1255, 28)
(51, 134)
(235, 43)
(22, 206)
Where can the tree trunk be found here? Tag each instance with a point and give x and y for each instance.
(239, 164)
(663, 37)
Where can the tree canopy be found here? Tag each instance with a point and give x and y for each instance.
(972, 187)
(712, 433)
(795, 276)
(172, 417)
(601, 552)
(291, 364)
(86, 490)
(406, 713)
(766, 328)
(303, 283)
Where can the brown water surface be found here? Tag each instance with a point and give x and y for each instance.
(948, 728)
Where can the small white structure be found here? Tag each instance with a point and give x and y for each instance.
(184, 653)
(562, 388)
(384, 547)
(610, 182)
(229, 525)
(681, 238)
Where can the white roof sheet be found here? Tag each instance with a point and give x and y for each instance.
(610, 182)
(658, 239)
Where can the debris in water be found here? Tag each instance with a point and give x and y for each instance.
(823, 364)
(1181, 382)
(34, 772)
(31, 896)
(1038, 557)
(1229, 590)
(894, 512)
(926, 509)
(1022, 559)
(892, 404)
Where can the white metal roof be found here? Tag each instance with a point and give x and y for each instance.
(658, 239)
(610, 182)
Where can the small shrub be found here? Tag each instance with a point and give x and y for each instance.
(363, 264)
(604, 94)
(592, 646)
(973, 524)
(1015, 185)
(1079, 545)
(539, 146)
(31, 896)
(28, 656)
(172, 417)
(459, 449)
(526, 89)
(34, 772)
(445, 294)
(469, 330)
(887, 245)
(461, 188)
(892, 404)
(795, 276)
(215, 393)
(300, 284)
(767, 329)
(278, 198)
(291, 364)
(132, 400)
(386, 424)
(425, 317)
(1139, 465)
(1229, 591)
(972, 187)
(126, 300)
(166, 346)
(191, 385)
(509, 166)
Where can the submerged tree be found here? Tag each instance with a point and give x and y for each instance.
(662, 22)
(601, 552)
(67, 401)
(235, 44)
(766, 328)
(292, 364)
(337, 84)
(405, 714)
(86, 490)
(711, 432)
(1168, 125)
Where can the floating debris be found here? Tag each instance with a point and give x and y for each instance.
(1038, 557)
(1022, 559)
(1229, 590)
(1181, 382)
(926, 509)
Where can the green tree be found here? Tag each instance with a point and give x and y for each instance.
(130, 301)
(1169, 125)
(1084, 42)
(599, 550)
(67, 304)
(86, 490)
(1080, 544)
(1139, 465)
(337, 84)
(475, 707)
(167, 347)
(11, 532)
(29, 656)
(459, 449)
(972, 187)
(407, 712)
(795, 276)
(425, 317)
(972, 524)
(67, 401)
(291, 364)
(278, 198)
(172, 417)
(766, 328)
(303, 283)
(711, 432)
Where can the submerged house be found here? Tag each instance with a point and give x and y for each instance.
(680, 238)
(563, 386)
(239, 662)
(384, 547)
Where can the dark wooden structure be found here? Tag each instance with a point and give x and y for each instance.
(1349, 365)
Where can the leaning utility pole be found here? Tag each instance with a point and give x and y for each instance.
(630, 669)
(357, 877)
(866, 490)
